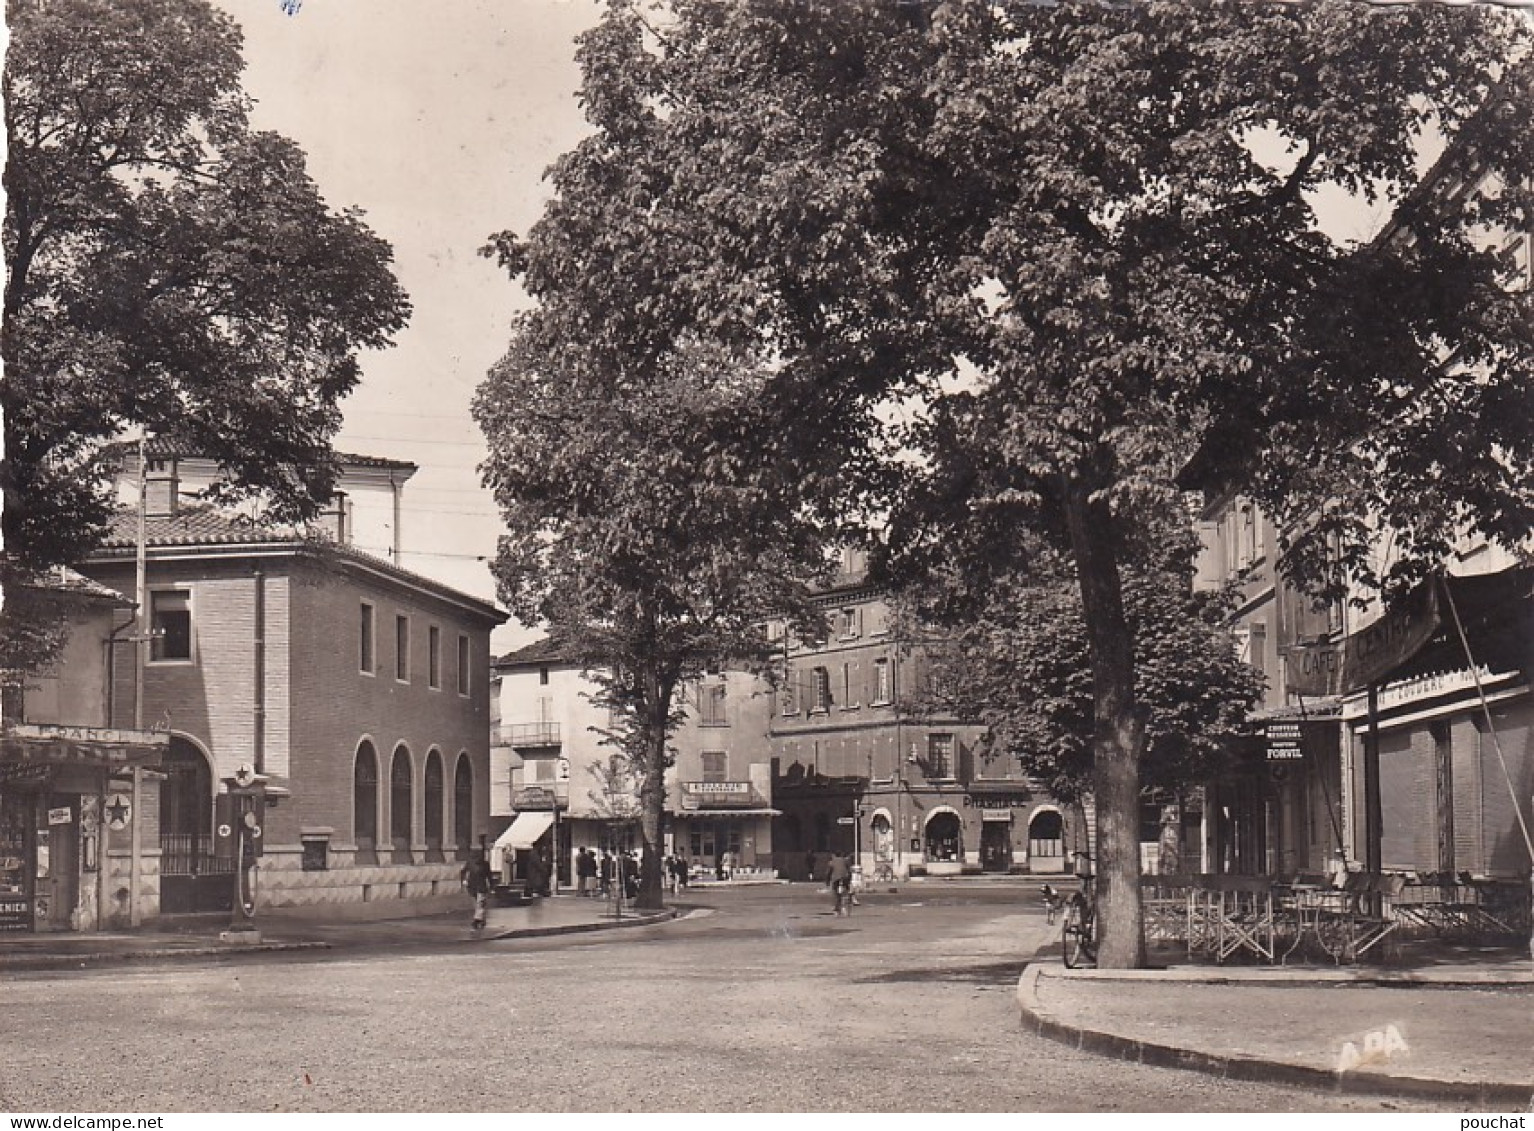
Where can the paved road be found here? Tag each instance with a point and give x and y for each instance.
(762, 1003)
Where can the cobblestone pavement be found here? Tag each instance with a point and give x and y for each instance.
(762, 1002)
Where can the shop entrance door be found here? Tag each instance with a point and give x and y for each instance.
(996, 846)
(58, 864)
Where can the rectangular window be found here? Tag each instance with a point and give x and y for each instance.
(434, 657)
(714, 766)
(170, 623)
(711, 705)
(821, 690)
(463, 665)
(365, 641)
(402, 648)
(850, 698)
(543, 675)
(848, 626)
(940, 755)
(883, 688)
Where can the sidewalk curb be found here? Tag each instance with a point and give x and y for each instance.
(1038, 1019)
(119, 957)
(581, 928)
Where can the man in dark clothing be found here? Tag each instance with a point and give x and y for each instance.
(607, 874)
(839, 879)
(475, 878)
(630, 870)
(585, 872)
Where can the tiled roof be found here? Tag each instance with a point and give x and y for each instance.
(62, 579)
(195, 525)
(163, 447)
(202, 525)
(547, 650)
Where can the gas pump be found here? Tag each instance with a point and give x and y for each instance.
(239, 820)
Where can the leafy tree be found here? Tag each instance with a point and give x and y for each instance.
(1083, 237)
(647, 549)
(169, 267)
(1013, 654)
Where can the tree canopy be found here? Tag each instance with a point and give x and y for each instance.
(169, 268)
(1065, 260)
(1012, 653)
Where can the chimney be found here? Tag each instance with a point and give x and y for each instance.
(335, 521)
(161, 488)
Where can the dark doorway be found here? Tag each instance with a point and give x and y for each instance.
(945, 839)
(996, 846)
(193, 878)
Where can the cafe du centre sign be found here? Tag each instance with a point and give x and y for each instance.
(1368, 655)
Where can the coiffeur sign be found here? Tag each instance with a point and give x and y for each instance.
(1366, 656)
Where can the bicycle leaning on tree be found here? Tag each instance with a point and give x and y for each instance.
(1078, 931)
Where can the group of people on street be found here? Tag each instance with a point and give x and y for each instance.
(677, 872)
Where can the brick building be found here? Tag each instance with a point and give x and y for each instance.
(358, 688)
(860, 768)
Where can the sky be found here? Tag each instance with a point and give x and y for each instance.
(438, 120)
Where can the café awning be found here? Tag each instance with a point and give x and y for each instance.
(524, 831)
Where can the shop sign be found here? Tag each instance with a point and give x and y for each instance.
(988, 813)
(1004, 803)
(15, 914)
(535, 797)
(61, 816)
(119, 812)
(1284, 742)
(716, 794)
(1368, 655)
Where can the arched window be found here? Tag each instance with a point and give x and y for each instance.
(365, 804)
(884, 838)
(434, 799)
(186, 794)
(463, 806)
(1046, 835)
(400, 801)
(945, 838)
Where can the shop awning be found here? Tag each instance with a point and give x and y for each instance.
(25, 746)
(524, 831)
(712, 813)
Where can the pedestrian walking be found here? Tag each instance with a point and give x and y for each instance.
(606, 874)
(475, 878)
(585, 872)
(839, 880)
(630, 865)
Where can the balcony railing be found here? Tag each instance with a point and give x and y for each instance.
(527, 734)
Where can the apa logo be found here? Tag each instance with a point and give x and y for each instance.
(1376, 1046)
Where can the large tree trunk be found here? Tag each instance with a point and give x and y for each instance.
(652, 794)
(1119, 730)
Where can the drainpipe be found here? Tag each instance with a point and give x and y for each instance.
(394, 487)
(109, 645)
(258, 709)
